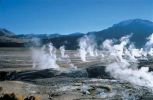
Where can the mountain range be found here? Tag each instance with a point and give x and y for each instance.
(139, 28)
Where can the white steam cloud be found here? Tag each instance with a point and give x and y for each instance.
(149, 45)
(45, 58)
(125, 58)
(87, 47)
(62, 50)
(122, 68)
(65, 57)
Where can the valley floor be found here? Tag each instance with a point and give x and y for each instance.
(90, 82)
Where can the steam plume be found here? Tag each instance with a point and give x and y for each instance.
(62, 50)
(87, 47)
(123, 69)
(43, 59)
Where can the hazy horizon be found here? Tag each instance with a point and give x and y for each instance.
(67, 16)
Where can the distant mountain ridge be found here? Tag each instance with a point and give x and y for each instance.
(5, 32)
(140, 28)
(134, 21)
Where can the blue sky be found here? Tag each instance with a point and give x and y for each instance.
(69, 16)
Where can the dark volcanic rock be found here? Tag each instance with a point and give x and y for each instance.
(97, 71)
(94, 71)
(49, 73)
(147, 97)
(75, 74)
(8, 97)
(6, 75)
(36, 74)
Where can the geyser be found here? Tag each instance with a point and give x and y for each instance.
(123, 69)
(62, 50)
(45, 58)
(87, 47)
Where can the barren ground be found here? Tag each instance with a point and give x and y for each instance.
(58, 85)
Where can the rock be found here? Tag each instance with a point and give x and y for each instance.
(8, 97)
(88, 72)
(75, 74)
(1, 89)
(36, 74)
(32, 98)
(97, 71)
(45, 73)
(6, 75)
(147, 97)
(13, 96)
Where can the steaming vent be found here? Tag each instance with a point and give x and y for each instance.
(120, 57)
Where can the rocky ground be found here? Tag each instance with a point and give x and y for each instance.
(88, 82)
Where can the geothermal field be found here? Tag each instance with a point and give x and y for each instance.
(115, 70)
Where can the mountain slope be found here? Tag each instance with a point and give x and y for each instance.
(5, 32)
(9, 39)
(140, 29)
